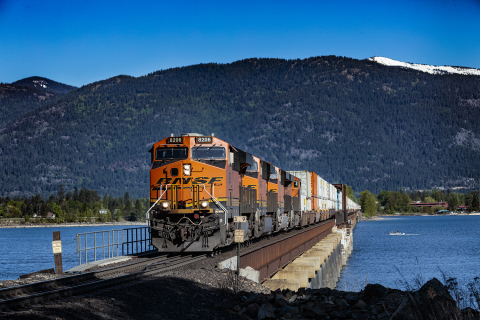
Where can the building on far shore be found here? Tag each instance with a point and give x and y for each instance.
(430, 204)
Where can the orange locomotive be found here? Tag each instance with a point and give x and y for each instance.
(198, 184)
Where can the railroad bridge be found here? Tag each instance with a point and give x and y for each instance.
(311, 258)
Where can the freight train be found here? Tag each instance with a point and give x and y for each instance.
(198, 184)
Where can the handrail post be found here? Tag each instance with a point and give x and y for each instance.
(95, 245)
(78, 250)
(103, 244)
(147, 214)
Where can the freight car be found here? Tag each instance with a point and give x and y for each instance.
(198, 184)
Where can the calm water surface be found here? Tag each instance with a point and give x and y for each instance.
(28, 250)
(432, 243)
(450, 244)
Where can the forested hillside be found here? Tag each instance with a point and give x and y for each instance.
(357, 122)
(25, 95)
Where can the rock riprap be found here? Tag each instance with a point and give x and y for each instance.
(431, 301)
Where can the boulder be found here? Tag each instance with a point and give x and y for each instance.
(252, 310)
(374, 290)
(288, 309)
(314, 313)
(361, 305)
(287, 293)
(280, 303)
(266, 311)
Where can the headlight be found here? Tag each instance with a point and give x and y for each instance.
(204, 204)
(165, 205)
(187, 169)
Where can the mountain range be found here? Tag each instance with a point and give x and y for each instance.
(367, 123)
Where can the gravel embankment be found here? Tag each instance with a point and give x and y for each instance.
(192, 292)
(201, 293)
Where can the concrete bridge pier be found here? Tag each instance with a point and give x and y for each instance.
(318, 267)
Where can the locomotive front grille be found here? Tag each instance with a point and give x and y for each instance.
(179, 204)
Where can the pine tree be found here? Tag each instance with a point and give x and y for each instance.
(127, 211)
(76, 197)
(475, 201)
(60, 194)
(139, 211)
(368, 203)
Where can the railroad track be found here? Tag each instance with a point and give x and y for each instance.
(41, 292)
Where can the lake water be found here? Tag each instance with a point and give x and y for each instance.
(28, 250)
(447, 243)
(431, 245)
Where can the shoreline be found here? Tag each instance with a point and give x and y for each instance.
(58, 225)
(384, 217)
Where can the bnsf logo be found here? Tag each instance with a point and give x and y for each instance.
(199, 180)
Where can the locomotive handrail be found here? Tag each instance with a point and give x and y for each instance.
(204, 188)
(148, 211)
(217, 203)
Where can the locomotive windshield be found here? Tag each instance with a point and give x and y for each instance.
(253, 168)
(208, 153)
(171, 153)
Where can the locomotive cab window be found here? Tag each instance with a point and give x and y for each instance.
(209, 153)
(253, 168)
(171, 153)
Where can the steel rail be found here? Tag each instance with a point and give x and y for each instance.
(45, 285)
(51, 290)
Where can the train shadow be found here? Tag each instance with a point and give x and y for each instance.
(161, 297)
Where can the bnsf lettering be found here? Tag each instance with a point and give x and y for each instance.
(215, 179)
(164, 181)
(177, 181)
(199, 180)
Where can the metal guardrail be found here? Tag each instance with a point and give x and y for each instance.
(273, 256)
(113, 243)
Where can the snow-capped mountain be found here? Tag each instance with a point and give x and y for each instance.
(44, 84)
(426, 68)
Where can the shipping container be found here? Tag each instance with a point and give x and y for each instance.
(305, 189)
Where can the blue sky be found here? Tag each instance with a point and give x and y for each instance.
(79, 42)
